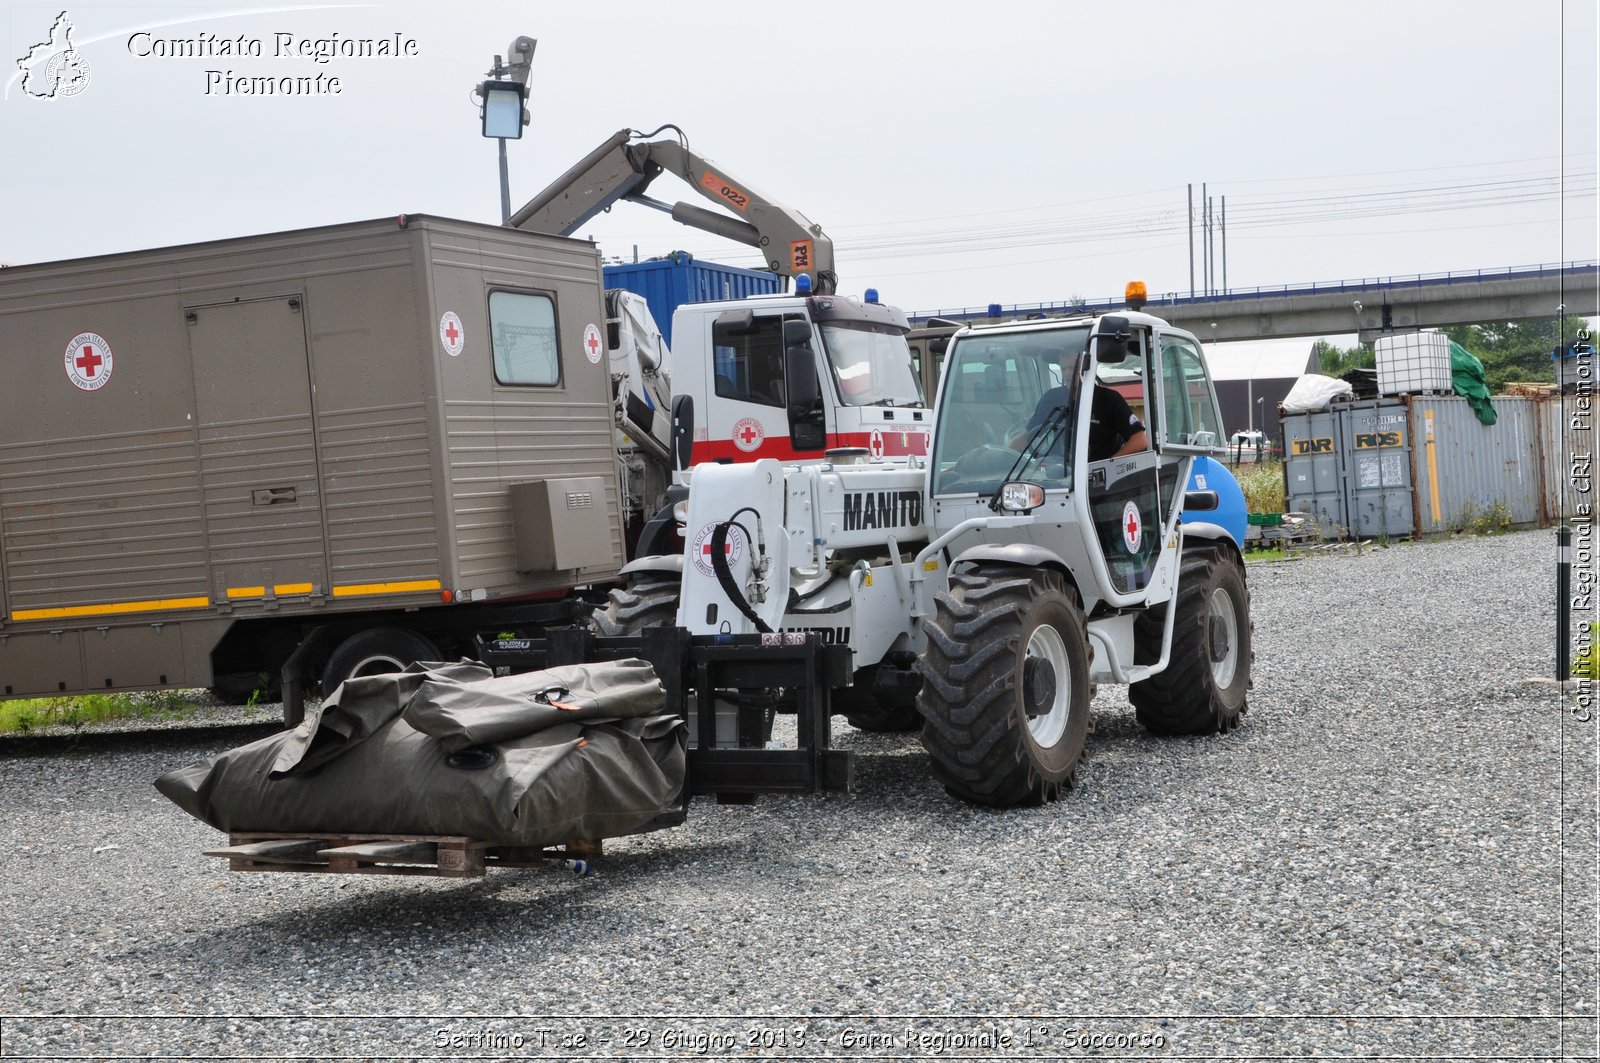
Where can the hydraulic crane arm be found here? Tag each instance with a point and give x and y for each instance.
(622, 169)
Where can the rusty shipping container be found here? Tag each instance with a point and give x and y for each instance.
(1472, 474)
(1566, 438)
(1419, 464)
(211, 451)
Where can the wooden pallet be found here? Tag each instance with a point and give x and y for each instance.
(448, 856)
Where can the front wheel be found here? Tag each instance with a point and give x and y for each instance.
(1204, 686)
(648, 599)
(1005, 692)
(867, 710)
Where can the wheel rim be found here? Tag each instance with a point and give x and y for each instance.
(378, 664)
(1222, 671)
(1048, 727)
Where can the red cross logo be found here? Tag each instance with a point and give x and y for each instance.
(592, 341)
(875, 443)
(748, 434)
(450, 333)
(732, 548)
(88, 361)
(1132, 530)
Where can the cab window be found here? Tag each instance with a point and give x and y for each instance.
(1187, 400)
(748, 362)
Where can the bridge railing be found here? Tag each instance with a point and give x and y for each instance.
(1352, 285)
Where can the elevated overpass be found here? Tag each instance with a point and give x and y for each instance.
(1369, 306)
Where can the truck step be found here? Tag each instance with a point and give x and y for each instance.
(447, 856)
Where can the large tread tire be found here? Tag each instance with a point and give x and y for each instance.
(985, 747)
(1196, 695)
(376, 651)
(647, 600)
(865, 711)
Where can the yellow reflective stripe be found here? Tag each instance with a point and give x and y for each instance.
(112, 609)
(351, 590)
(277, 589)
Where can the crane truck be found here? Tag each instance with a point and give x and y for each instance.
(336, 451)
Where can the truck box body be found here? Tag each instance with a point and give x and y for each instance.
(286, 427)
(668, 283)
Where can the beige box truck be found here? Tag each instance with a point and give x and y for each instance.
(358, 444)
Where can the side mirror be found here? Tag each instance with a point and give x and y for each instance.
(807, 427)
(796, 333)
(1111, 340)
(682, 430)
(800, 375)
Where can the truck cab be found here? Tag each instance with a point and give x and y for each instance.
(795, 377)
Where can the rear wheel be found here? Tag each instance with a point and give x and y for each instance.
(377, 651)
(1207, 678)
(1005, 692)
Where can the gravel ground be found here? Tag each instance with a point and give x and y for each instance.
(1371, 865)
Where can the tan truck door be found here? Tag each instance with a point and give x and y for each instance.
(258, 454)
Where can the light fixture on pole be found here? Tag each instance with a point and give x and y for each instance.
(501, 103)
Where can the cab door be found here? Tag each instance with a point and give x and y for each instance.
(1125, 493)
(747, 413)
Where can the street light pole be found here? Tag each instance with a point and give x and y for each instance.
(502, 110)
(505, 184)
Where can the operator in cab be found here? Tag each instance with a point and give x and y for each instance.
(1114, 429)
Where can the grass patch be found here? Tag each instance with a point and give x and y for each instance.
(1263, 486)
(1492, 519)
(1586, 664)
(1265, 556)
(22, 715)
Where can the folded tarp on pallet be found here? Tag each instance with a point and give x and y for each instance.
(541, 758)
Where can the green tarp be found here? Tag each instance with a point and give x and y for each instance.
(542, 758)
(1466, 377)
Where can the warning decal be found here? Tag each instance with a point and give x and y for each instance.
(89, 361)
(451, 334)
(592, 347)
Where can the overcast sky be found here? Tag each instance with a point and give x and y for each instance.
(958, 153)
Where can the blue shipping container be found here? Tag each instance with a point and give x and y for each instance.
(668, 283)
